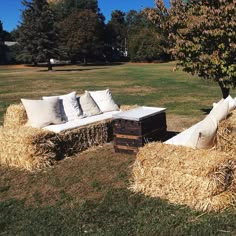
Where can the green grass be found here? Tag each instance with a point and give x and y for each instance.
(119, 213)
(88, 194)
(143, 84)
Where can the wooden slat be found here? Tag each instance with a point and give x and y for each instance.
(127, 136)
(130, 135)
(155, 131)
(126, 147)
(129, 142)
(133, 152)
(140, 128)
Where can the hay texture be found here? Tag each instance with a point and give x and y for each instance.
(33, 149)
(226, 134)
(79, 139)
(128, 107)
(15, 116)
(202, 179)
(28, 148)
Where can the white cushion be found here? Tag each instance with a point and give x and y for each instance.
(88, 105)
(217, 103)
(69, 106)
(182, 137)
(203, 136)
(104, 100)
(42, 112)
(232, 103)
(220, 111)
(80, 122)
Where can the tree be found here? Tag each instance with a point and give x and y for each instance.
(4, 35)
(65, 8)
(145, 41)
(3, 47)
(145, 46)
(160, 16)
(83, 35)
(15, 34)
(205, 36)
(37, 32)
(2, 51)
(73, 31)
(116, 32)
(1, 33)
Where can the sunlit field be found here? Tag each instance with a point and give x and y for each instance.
(88, 194)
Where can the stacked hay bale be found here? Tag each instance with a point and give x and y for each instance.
(202, 179)
(32, 149)
(15, 116)
(226, 134)
(28, 148)
(79, 139)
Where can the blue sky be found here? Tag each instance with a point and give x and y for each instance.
(10, 10)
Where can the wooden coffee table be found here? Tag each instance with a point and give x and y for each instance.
(133, 128)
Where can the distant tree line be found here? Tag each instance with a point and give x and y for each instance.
(75, 30)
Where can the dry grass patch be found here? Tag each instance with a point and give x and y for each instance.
(105, 84)
(13, 66)
(137, 90)
(179, 123)
(86, 176)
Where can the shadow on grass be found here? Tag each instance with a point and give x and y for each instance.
(103, 64)
(168, 135)
(120, 212)
(71, 70)
(43, 65)
(206, 111)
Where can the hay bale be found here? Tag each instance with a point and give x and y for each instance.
(28, 148)
(128, 107)
(15, 116)
(34, 149)
(79, 139)
(226, 134)
(201, 179)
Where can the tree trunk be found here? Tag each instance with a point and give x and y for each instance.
(34, 63)
(85, 61)
(49, 65)
(224, 89)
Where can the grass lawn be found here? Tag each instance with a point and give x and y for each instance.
(88, 194)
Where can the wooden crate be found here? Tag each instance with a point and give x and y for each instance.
(129, 135)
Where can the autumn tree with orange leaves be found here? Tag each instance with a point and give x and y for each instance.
(203, 37)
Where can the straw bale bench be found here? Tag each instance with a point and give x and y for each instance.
(34, 148)
(201, 179)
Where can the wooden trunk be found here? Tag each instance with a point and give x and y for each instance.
(129, 135)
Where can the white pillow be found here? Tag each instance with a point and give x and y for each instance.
(220, 111)
(217, 103)
(104, 100)
(69, 106)
(232, 103)
(203, 136)
(42, 112)
(88, 105)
